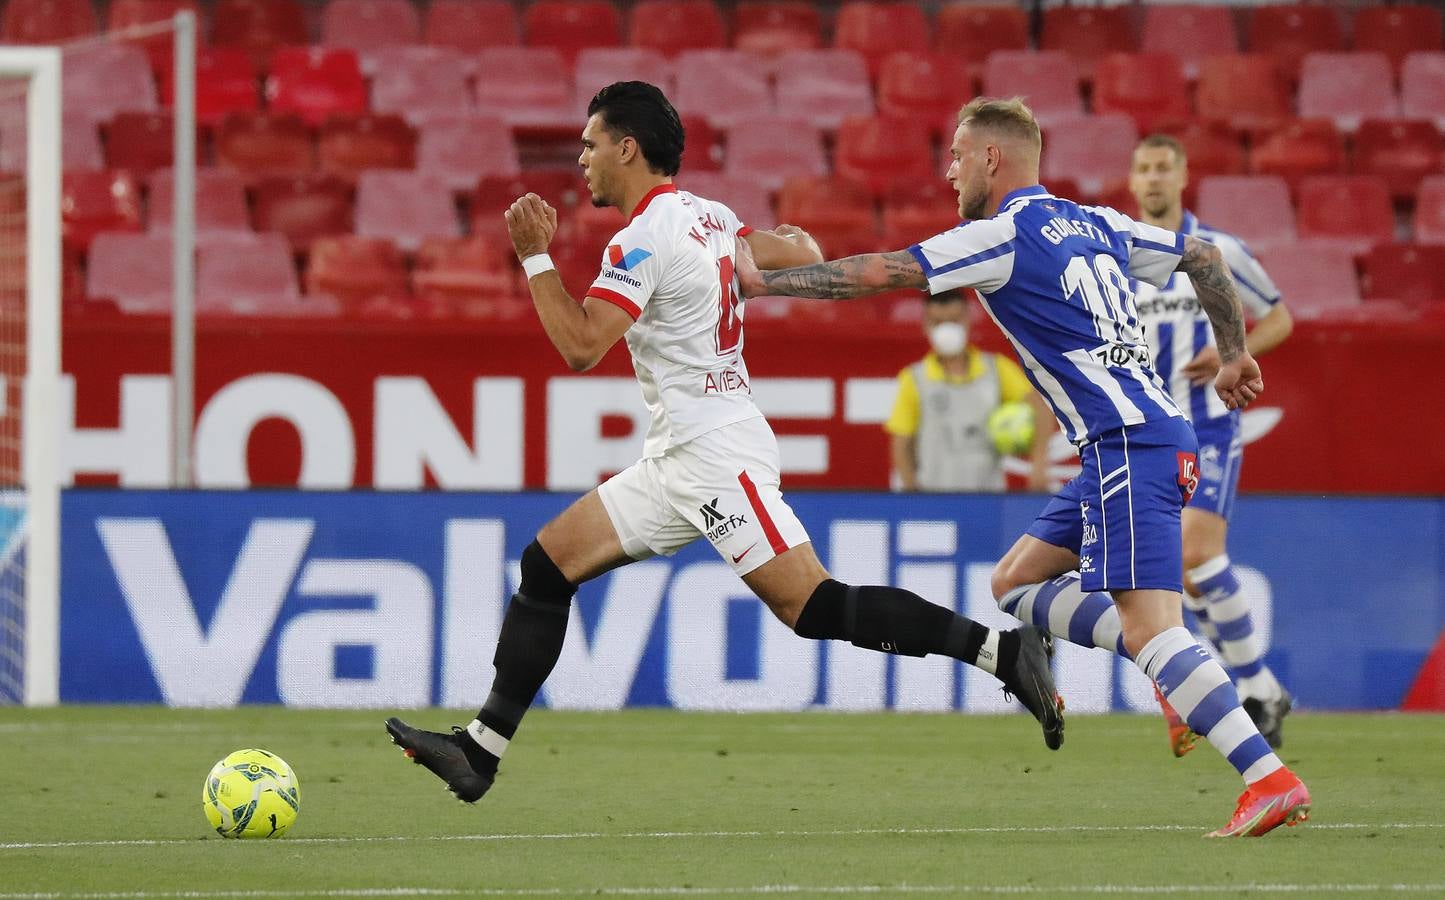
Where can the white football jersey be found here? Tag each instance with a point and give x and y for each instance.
(671, 269)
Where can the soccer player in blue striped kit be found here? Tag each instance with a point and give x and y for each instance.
(1056, 277)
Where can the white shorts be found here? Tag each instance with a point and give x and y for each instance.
(722, 485)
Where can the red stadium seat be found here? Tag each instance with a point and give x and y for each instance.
(420, 83)
(348, 145)
(878, 29)
(1347, 87)
(251, 275)
(1189, 33)
(1398, 30)
(1422, 86)
(1149, 87)
(527, 87)
(673, 26)
(101, 80)
(929, 87)
(472, 277)
(1212, 150)
(93, 202)
(1402, 152)
(1353, 210)
(722, 86)
(315, 83)
(1316, 279)
(572, 25)
(971, 32)
(367, 25)
(1430, 211)
(470, 25)
(258, 27)
(598, 67)
(260, 145)
(355, 270)
(702, 149)
(1095, 152)
(880, 153)
(771, 27)
(458, 151)
(742, 194)
(303, 208)
(143, 142)
(918, 210)
(1087, 33)
(1246, 93)
(220, 202)
(126, 14)
(225, 83)
(1412, 273)
(773, 150)
(824, 86)
(48, 21)
(132, 270)
(1047, 80)
(404, 207)
(837, 212)
(1299, 149)
(563, 188)
(1254, 207)
(1288, 33)
(79, 145)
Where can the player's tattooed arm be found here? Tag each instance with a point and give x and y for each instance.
(855, 276)
(1205, 266)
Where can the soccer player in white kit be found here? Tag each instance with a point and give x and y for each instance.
(1056, 277)
(710, 461)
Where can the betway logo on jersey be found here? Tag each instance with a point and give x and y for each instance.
(626, 261)
(717, 524)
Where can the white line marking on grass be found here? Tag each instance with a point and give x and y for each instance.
(667, 835)
(692, 891)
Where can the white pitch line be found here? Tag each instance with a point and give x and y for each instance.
(666, 835)
(761, 889)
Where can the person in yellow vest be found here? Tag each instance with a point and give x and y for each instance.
(939, 424)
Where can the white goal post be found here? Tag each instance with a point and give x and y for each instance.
(39, 67)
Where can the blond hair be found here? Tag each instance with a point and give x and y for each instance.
(1165, 140)
(1011, 118)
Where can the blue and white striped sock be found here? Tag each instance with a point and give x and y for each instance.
(1198, 689)
(1228, 612)
(1061, 607)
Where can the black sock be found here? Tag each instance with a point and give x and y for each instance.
(530, 642)
(893, 620)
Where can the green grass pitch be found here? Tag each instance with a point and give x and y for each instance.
(105, 802)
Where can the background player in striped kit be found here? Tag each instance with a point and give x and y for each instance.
(1052, 274)
(709, 464)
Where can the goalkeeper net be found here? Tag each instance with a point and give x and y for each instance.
(29, 372)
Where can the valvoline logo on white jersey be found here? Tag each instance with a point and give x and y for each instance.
(626, 261)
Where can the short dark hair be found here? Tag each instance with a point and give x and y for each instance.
(949, 296)
(1165, 140)
(641, 111)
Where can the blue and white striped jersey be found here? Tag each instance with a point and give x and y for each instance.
(1177, 328)
(1057, 278)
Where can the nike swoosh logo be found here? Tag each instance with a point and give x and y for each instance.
(739, 558)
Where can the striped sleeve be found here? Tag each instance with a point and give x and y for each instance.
(975, 254)
(1257, 292)
(1154, 252)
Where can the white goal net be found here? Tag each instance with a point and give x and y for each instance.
(29, 373)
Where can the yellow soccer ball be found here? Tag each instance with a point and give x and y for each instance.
(251, 794)
(1011, 427)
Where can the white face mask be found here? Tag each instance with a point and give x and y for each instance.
(948, 338)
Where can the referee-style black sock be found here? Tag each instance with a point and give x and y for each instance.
(892, 620)
(533, 629)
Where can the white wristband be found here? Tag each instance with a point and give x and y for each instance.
(536, 264)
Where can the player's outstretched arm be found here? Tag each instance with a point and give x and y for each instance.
(1239, 380)
(855, 276)
(581, 333)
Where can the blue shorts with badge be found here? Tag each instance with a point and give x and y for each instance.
(1121, 514)
(1221, 451)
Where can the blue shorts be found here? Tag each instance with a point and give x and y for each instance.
(1221, 451)
(1121, 514)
